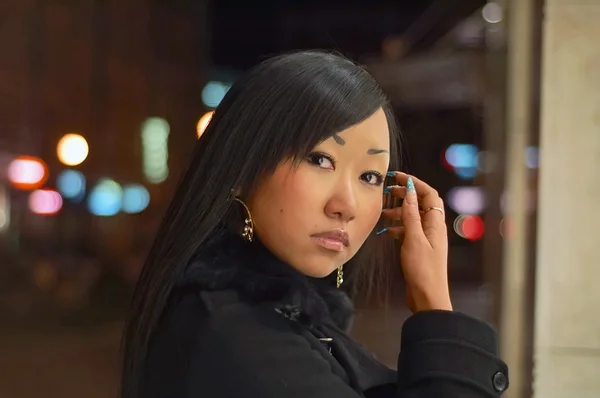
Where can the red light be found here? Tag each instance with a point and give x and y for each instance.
(445, 162)
(473, 227)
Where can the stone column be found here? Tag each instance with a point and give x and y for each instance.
(567, 312)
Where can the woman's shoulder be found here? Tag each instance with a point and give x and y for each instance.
(219, 311)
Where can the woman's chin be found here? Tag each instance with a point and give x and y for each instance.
(318, 271)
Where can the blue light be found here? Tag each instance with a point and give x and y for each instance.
(213, 93)
(135, 198)
(71, 185)
(466, 173)
(462, 155)
(532, 157)
(105, 198)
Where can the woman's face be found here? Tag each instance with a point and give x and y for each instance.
(317, 215)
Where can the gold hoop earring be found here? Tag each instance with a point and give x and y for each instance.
(340, 276)
(248, 233)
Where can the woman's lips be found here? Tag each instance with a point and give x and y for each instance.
(335, 240)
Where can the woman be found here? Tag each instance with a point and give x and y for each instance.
(284, 188)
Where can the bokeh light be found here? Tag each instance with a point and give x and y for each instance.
(469, 227)
(105, 198)
(467, 200)
(45, 202)
(203, 123)
(4, 209)
(27, 172)
(532, 157)
(155, 136)
(136, 198)
(72, 149)
(213, 93)
(492, 12)
(506, 228)
(71, 185)
(463, 159)
(4, 220)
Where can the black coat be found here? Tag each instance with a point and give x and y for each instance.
(242, 324)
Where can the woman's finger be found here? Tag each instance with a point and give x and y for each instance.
(411, 218)
(394, 232)
(394, 214)
(395, 190)
(427, 195)
(433, 216)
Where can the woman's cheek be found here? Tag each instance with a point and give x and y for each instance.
(373, 215)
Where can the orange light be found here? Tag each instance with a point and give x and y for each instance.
(27, 172)
(203, 123)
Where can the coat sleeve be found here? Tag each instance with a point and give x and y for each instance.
(443, 355)
(449, 354)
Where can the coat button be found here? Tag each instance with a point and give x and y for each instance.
(500, 381)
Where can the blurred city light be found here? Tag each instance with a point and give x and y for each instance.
(463, 159)
(492, 12)
(462, 155)
(469, 227)
(467, 200)
(203, 123)
(71, 185)
(487, 161)
(4, 220)
(72, 149)
(466, 173)
(213, 93)
(155, 136)
(45, 202)
(4, 210)
(532, 157)
(136, 198)
(105, 198)
(27, 172)
(505, 228)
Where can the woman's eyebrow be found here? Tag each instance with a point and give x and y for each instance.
(339, 140)
(374, 151)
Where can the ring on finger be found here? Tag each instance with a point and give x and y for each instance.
(441, 210)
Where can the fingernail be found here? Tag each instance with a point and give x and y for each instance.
(381, 232)
(411, 194)
(410, 185)
(389, 188)
(391, 173)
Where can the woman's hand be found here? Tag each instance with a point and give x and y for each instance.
(424, 252)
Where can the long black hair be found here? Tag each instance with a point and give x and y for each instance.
(281, 109)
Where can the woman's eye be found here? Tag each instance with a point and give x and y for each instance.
(321, 160)
(372, 178)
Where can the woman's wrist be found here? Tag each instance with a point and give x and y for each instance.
(429, 302)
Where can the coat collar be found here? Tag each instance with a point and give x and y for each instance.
(257, 275)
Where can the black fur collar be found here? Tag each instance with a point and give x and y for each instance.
(257, 275)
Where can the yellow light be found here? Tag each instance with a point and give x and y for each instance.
(72, 149)
(203, 123)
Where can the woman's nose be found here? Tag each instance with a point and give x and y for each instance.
(343, 203)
